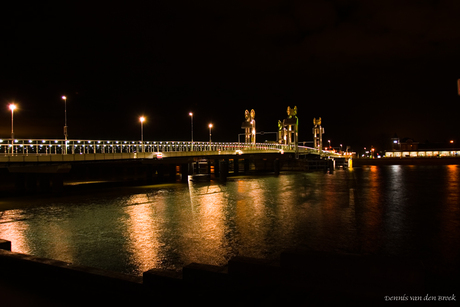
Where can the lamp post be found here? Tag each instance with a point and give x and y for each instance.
(329, 144)
(210, 127)
(191, 119)
(12, 107)
(65, 123)
(142, 119)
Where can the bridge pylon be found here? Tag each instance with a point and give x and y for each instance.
(249, 126)
(288, 130)
(318, 132)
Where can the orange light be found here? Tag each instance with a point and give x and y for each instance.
(142, 119)
(12, 107)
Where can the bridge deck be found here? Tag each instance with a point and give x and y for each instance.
(22, 150)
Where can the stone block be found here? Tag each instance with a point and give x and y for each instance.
(253, 270)
(162, 279)
(5, 245)
(205, 275)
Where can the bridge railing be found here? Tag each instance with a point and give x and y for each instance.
(60, 147)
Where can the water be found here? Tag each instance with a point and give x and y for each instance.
(391, 210)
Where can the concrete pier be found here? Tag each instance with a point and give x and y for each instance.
(296, 277)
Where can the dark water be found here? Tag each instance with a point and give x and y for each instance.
(391, 210)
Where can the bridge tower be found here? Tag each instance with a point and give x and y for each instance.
(288, 130)
(249, 126)
(318, 134)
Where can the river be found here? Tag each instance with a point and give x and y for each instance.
(387, 210)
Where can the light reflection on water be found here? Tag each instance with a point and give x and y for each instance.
(398, 210)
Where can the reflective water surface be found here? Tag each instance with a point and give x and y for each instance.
(396, 210)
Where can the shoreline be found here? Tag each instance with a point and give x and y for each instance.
(407, 161)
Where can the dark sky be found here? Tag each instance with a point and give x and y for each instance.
(369, 69)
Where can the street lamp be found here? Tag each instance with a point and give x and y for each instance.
(142, 119)
(191, 118)
(12, 107)
(329, 144)
(210, 127)
(65, 123)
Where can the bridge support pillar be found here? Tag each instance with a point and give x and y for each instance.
(223, 170)
(246, 165)
(331, 165)
(184, 172)
(160, 172)
(191, 168)
(209, 167)
(216, 167)
(31, 182)
(236, 166)
(19, 182)
(172, 172)
(44, 182)
(57, 182)
(149, 173)
(276, 167)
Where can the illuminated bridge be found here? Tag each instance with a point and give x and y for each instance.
(54, 150)
(51, 164)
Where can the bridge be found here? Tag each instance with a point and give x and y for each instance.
(29, 165)
(60, 150)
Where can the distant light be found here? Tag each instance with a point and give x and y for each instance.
(210, 126)
(12, 107)
(64, 97)
(142, 119)
(191, 114)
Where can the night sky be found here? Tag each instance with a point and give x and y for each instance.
(369, 69)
